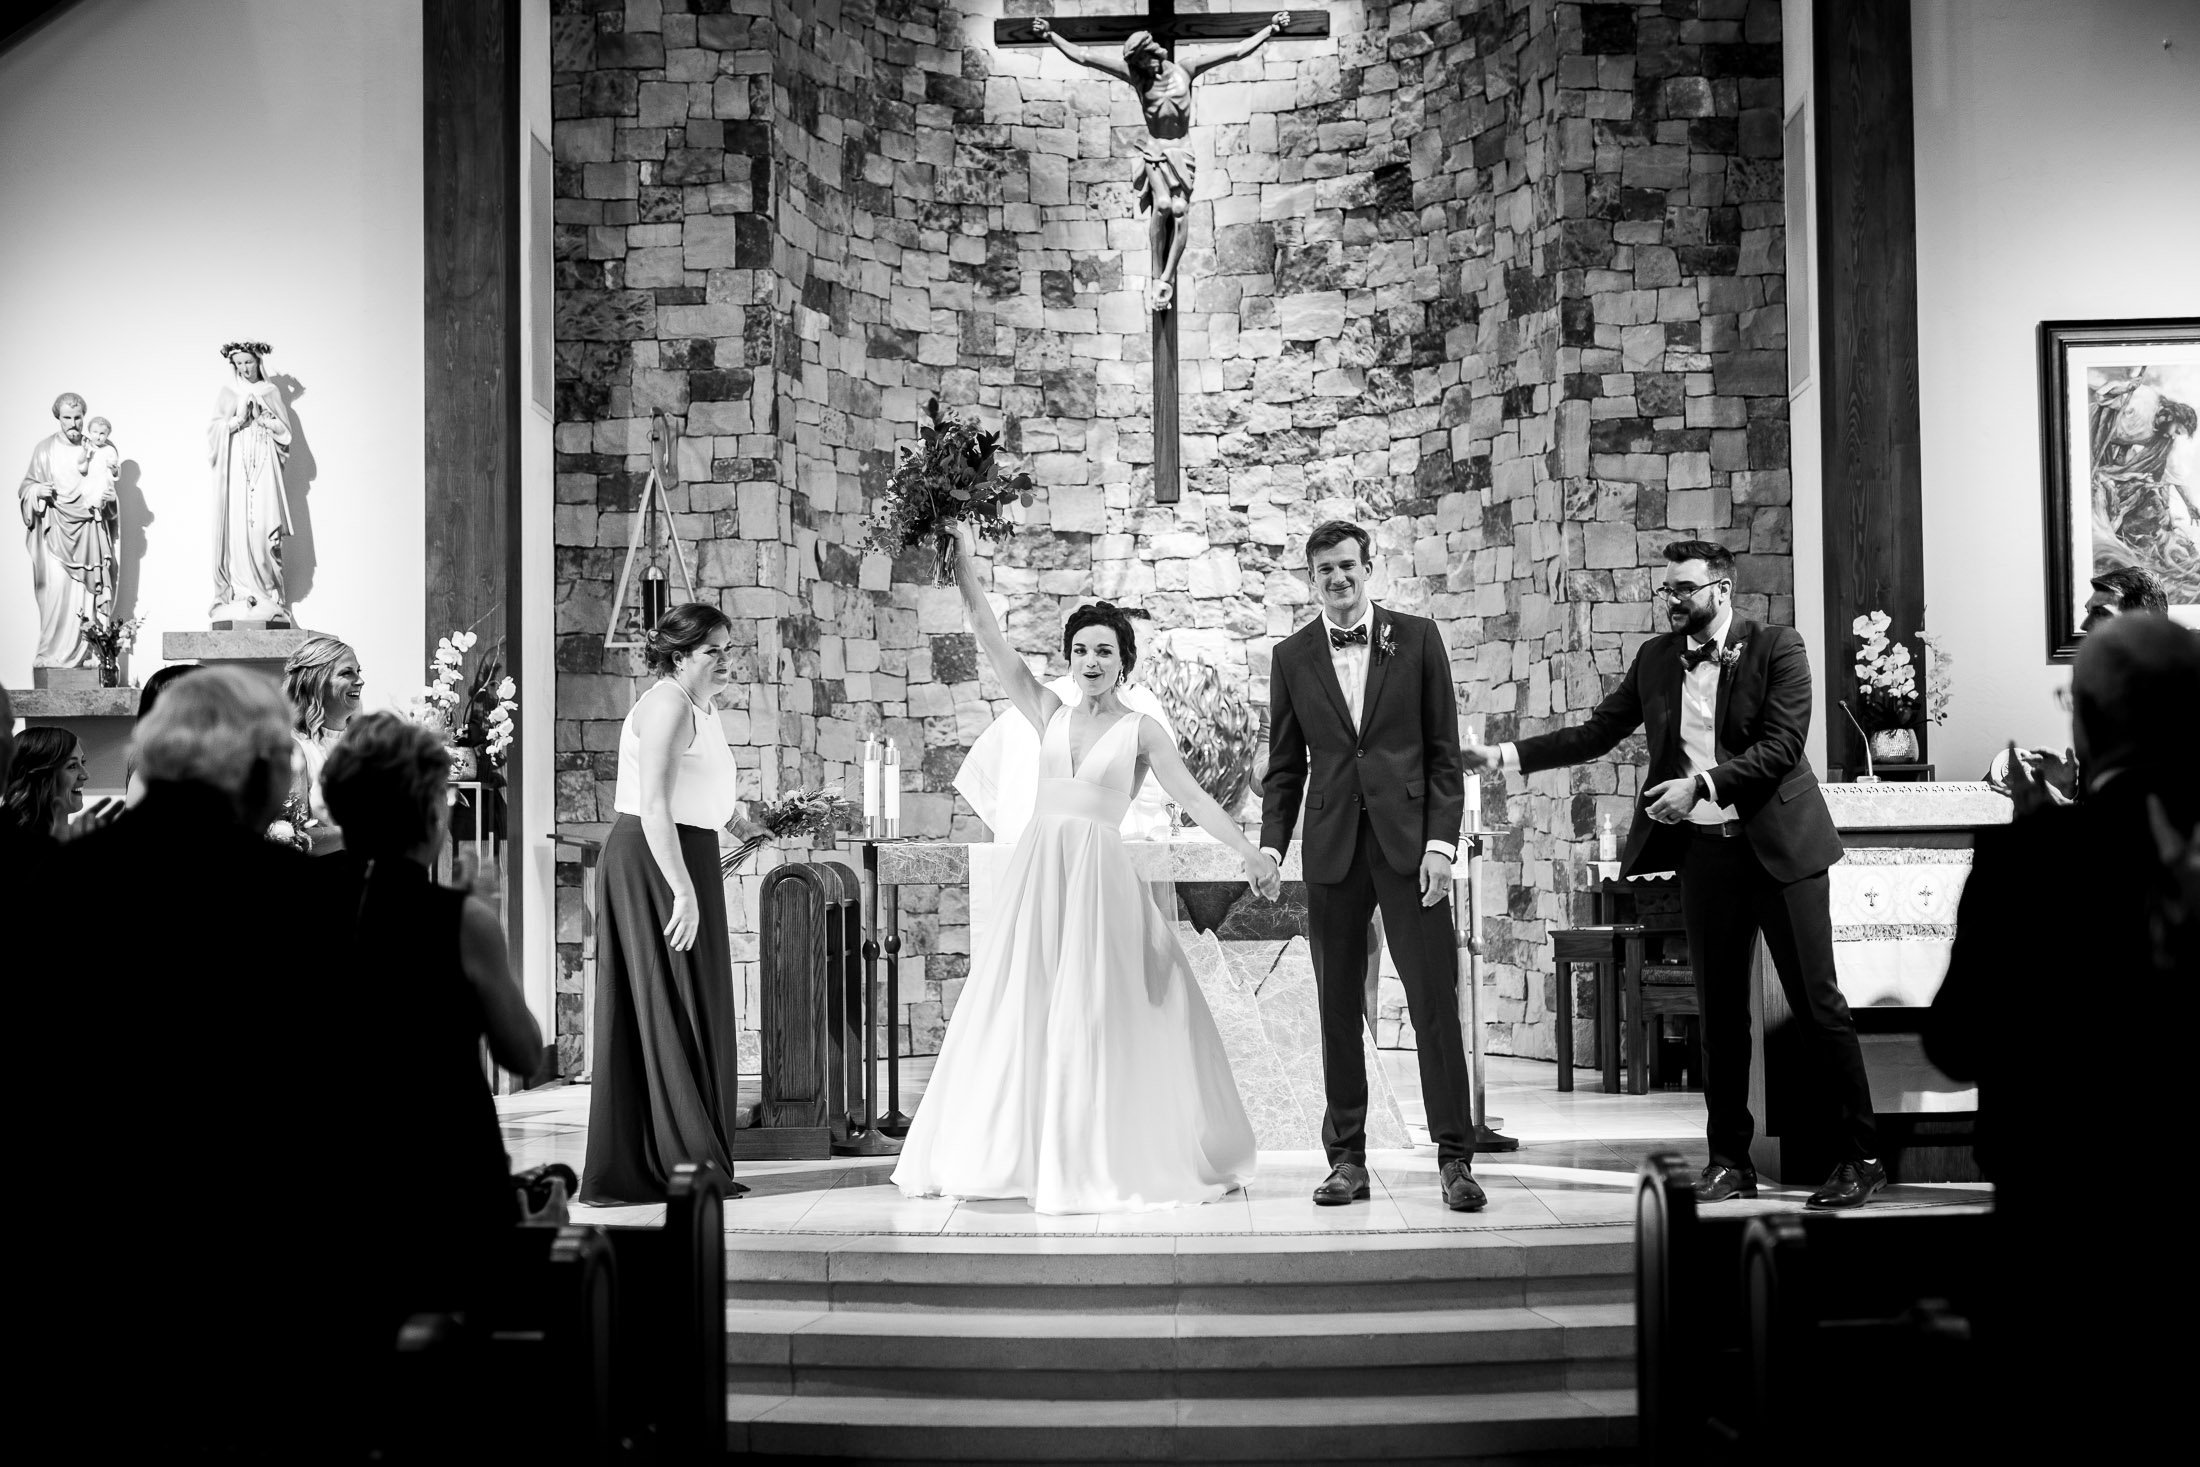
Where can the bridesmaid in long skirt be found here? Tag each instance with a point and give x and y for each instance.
(665, 1085)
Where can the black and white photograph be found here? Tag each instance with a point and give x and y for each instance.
(843, 732)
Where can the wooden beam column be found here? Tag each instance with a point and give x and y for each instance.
(1867, 252)
(471, 279)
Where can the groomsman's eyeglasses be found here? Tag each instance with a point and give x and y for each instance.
(1682, 591)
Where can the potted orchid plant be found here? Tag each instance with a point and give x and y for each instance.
(474, 714)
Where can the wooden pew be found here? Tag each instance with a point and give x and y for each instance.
(1868, 1318)
(1691, 1369)
(670, 1337)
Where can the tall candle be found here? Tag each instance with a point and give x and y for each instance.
(870, 780)
(892, 787)
(1474, 780)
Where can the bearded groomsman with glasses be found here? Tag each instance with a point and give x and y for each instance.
(1730, 802)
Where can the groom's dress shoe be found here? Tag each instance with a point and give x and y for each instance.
(1462, 1193)
(1344, 1186)
(1851, 1185)
(1720, 1181)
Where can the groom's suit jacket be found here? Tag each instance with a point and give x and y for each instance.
(1402, 760)
(1761, 718)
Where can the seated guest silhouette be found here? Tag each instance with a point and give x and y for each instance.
(2072, 910)
(428, 963)
(187, 1019)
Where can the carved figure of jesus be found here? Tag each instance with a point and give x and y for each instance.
(1167, 168)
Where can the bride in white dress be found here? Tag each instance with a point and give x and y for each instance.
(1082, 1069)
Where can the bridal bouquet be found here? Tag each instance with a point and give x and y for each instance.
(292, 827)
(820, 812)
(952, 475)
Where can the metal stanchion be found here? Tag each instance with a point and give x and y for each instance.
(869, 1138)
(1484, 1136)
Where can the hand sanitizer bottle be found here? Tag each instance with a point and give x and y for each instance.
(1607, 840)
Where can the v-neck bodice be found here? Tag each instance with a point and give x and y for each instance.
(1104, 780)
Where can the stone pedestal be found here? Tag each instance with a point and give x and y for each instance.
(261, 649)
(1259, 984)
(64, 679)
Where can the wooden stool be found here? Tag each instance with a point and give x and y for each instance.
(1614, 950)
(1674, 992)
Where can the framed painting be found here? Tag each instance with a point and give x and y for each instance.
(2120, 430)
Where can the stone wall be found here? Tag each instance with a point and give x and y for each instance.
(1499, 281)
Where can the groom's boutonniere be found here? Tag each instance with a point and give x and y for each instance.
(1731, 657)
(1385, 643)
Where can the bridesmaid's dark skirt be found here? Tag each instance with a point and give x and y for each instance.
(665, 1086)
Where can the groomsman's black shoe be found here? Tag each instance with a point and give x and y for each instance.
(1851, 1185)
(1344, 1186)
(1462, 1193)
(1720, 1181)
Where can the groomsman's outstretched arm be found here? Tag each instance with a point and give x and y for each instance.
(1619, 715)
(1025, 691)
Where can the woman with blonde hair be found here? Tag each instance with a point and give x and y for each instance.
(323, 682)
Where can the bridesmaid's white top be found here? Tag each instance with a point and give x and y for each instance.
(703, 789)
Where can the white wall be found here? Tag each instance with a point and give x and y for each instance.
(534, 865)
(179, 173)
(2058, 178)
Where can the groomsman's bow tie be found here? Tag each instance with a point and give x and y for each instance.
(1357, 637)
(1697, 655)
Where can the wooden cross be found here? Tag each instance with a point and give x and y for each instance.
(1168, 28)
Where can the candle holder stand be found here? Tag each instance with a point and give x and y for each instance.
(873, 1134)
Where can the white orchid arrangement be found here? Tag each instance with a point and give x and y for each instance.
(1886, 677)
(476, 714)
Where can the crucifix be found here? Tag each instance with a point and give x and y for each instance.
(1166, 163)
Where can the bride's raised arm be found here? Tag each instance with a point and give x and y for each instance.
(1167, 765)
(1024, 690)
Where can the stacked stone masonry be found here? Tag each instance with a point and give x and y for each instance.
(1501, 281)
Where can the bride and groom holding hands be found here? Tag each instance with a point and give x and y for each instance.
(1082, 1069)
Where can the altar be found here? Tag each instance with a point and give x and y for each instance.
(1894, 897)
(1250, 958)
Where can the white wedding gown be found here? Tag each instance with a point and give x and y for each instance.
(1082, 1069)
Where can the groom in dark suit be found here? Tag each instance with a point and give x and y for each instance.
(1729, 801)
(1362, 728)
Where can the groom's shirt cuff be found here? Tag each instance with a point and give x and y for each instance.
(1274, 855)
(1508, 756)
(1445, 849)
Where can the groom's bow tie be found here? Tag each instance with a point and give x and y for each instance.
(1357, 637)
(1697, 655)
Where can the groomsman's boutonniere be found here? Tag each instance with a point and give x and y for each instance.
(1385, 643)
(1731, 657)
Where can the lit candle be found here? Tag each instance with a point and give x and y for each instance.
(870, 782)
(892, 789)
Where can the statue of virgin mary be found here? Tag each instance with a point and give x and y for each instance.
(248, 442)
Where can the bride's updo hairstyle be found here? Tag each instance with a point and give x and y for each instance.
(1116, 619)
(679, 632)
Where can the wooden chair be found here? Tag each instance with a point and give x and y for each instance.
(1614, 951)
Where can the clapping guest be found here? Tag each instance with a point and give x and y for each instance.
(666, 1082)
(45, 784)
(323, 682)
(430, 964)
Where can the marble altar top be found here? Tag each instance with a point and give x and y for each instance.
(1904, 805)
(1197, 857)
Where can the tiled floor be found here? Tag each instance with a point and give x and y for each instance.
(1575, 1167)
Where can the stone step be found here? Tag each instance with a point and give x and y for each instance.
(1289, 1274)
(1546, 1426)
(845, 1352)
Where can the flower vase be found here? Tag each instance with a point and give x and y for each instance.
(110, 670)
(1894, 746)
(465, 764)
